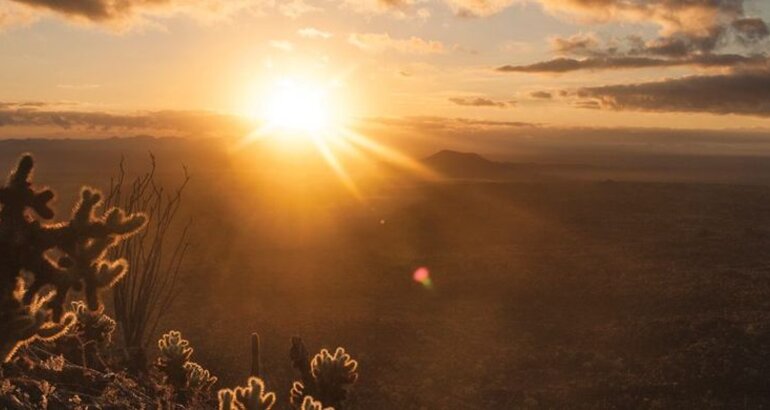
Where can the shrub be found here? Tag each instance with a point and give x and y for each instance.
(156, 257)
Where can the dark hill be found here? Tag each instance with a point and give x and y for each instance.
(464, 165)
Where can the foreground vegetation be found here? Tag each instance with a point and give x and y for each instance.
(58, 354)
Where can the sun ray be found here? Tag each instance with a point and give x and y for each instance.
(391, 155)
(292, 115)
(336, 166)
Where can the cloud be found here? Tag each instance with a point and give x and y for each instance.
(581, 44)
(70, 116)
(692, 34)
(282, 45)
(311, 32)
(564, 65)
(751, 30)
(481, 102)
(478, 8)
(434, 123)
(14, 15)
(296, 8)
(78, 86)
(418, 9)
(401, 9)
(380, 42)
(544, 95)
(690, 16)
(122, 14)
(746, 93)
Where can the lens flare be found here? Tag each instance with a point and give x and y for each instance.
(422, 276)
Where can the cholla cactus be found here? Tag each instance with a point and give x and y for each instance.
(175, 352)
(311, 404)
(327, 377)
(198, 378)
(334, 371)
(93, 326)
(251, 397)
(189, 379)
(25, 243)
(24, 323)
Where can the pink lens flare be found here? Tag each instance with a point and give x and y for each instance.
(422, 275)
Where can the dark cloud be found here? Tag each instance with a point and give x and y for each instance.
(563, 65)
(96, 10)
(746, 93)
(680, 45)
(481, 102)
(67, 117)
(586, 45)
(751, 30)
(693, 33)
(123, 13)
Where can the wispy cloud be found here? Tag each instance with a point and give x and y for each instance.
(481, 102)
(380, 42)
(74, 117)
(283, 45)
(78, 86)
(312, 32)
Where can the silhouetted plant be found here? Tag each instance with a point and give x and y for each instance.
(326, 380)
(91, 335)
(309, 403)
(251, 397)
(189, 380)
(327, 377)
(93, 327)
(27, 311)
(156, 258)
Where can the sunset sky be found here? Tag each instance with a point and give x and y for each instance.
(189, 67)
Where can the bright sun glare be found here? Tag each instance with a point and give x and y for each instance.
(308, 114)
(291, 106)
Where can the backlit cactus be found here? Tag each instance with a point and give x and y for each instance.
(25, 246)
(189, 380)
(24, 323)
(251, 397)
(198, 378)
(309, 403)
(327, 377)
(92, 326)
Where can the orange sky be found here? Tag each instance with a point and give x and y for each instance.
(173, 67)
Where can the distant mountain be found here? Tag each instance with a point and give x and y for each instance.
(464, 165)
(468, 165)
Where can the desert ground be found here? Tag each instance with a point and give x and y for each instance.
(609, 288)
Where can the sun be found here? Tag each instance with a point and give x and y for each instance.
(297, 117)
(290, 106)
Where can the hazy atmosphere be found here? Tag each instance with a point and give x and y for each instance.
(384, 204)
